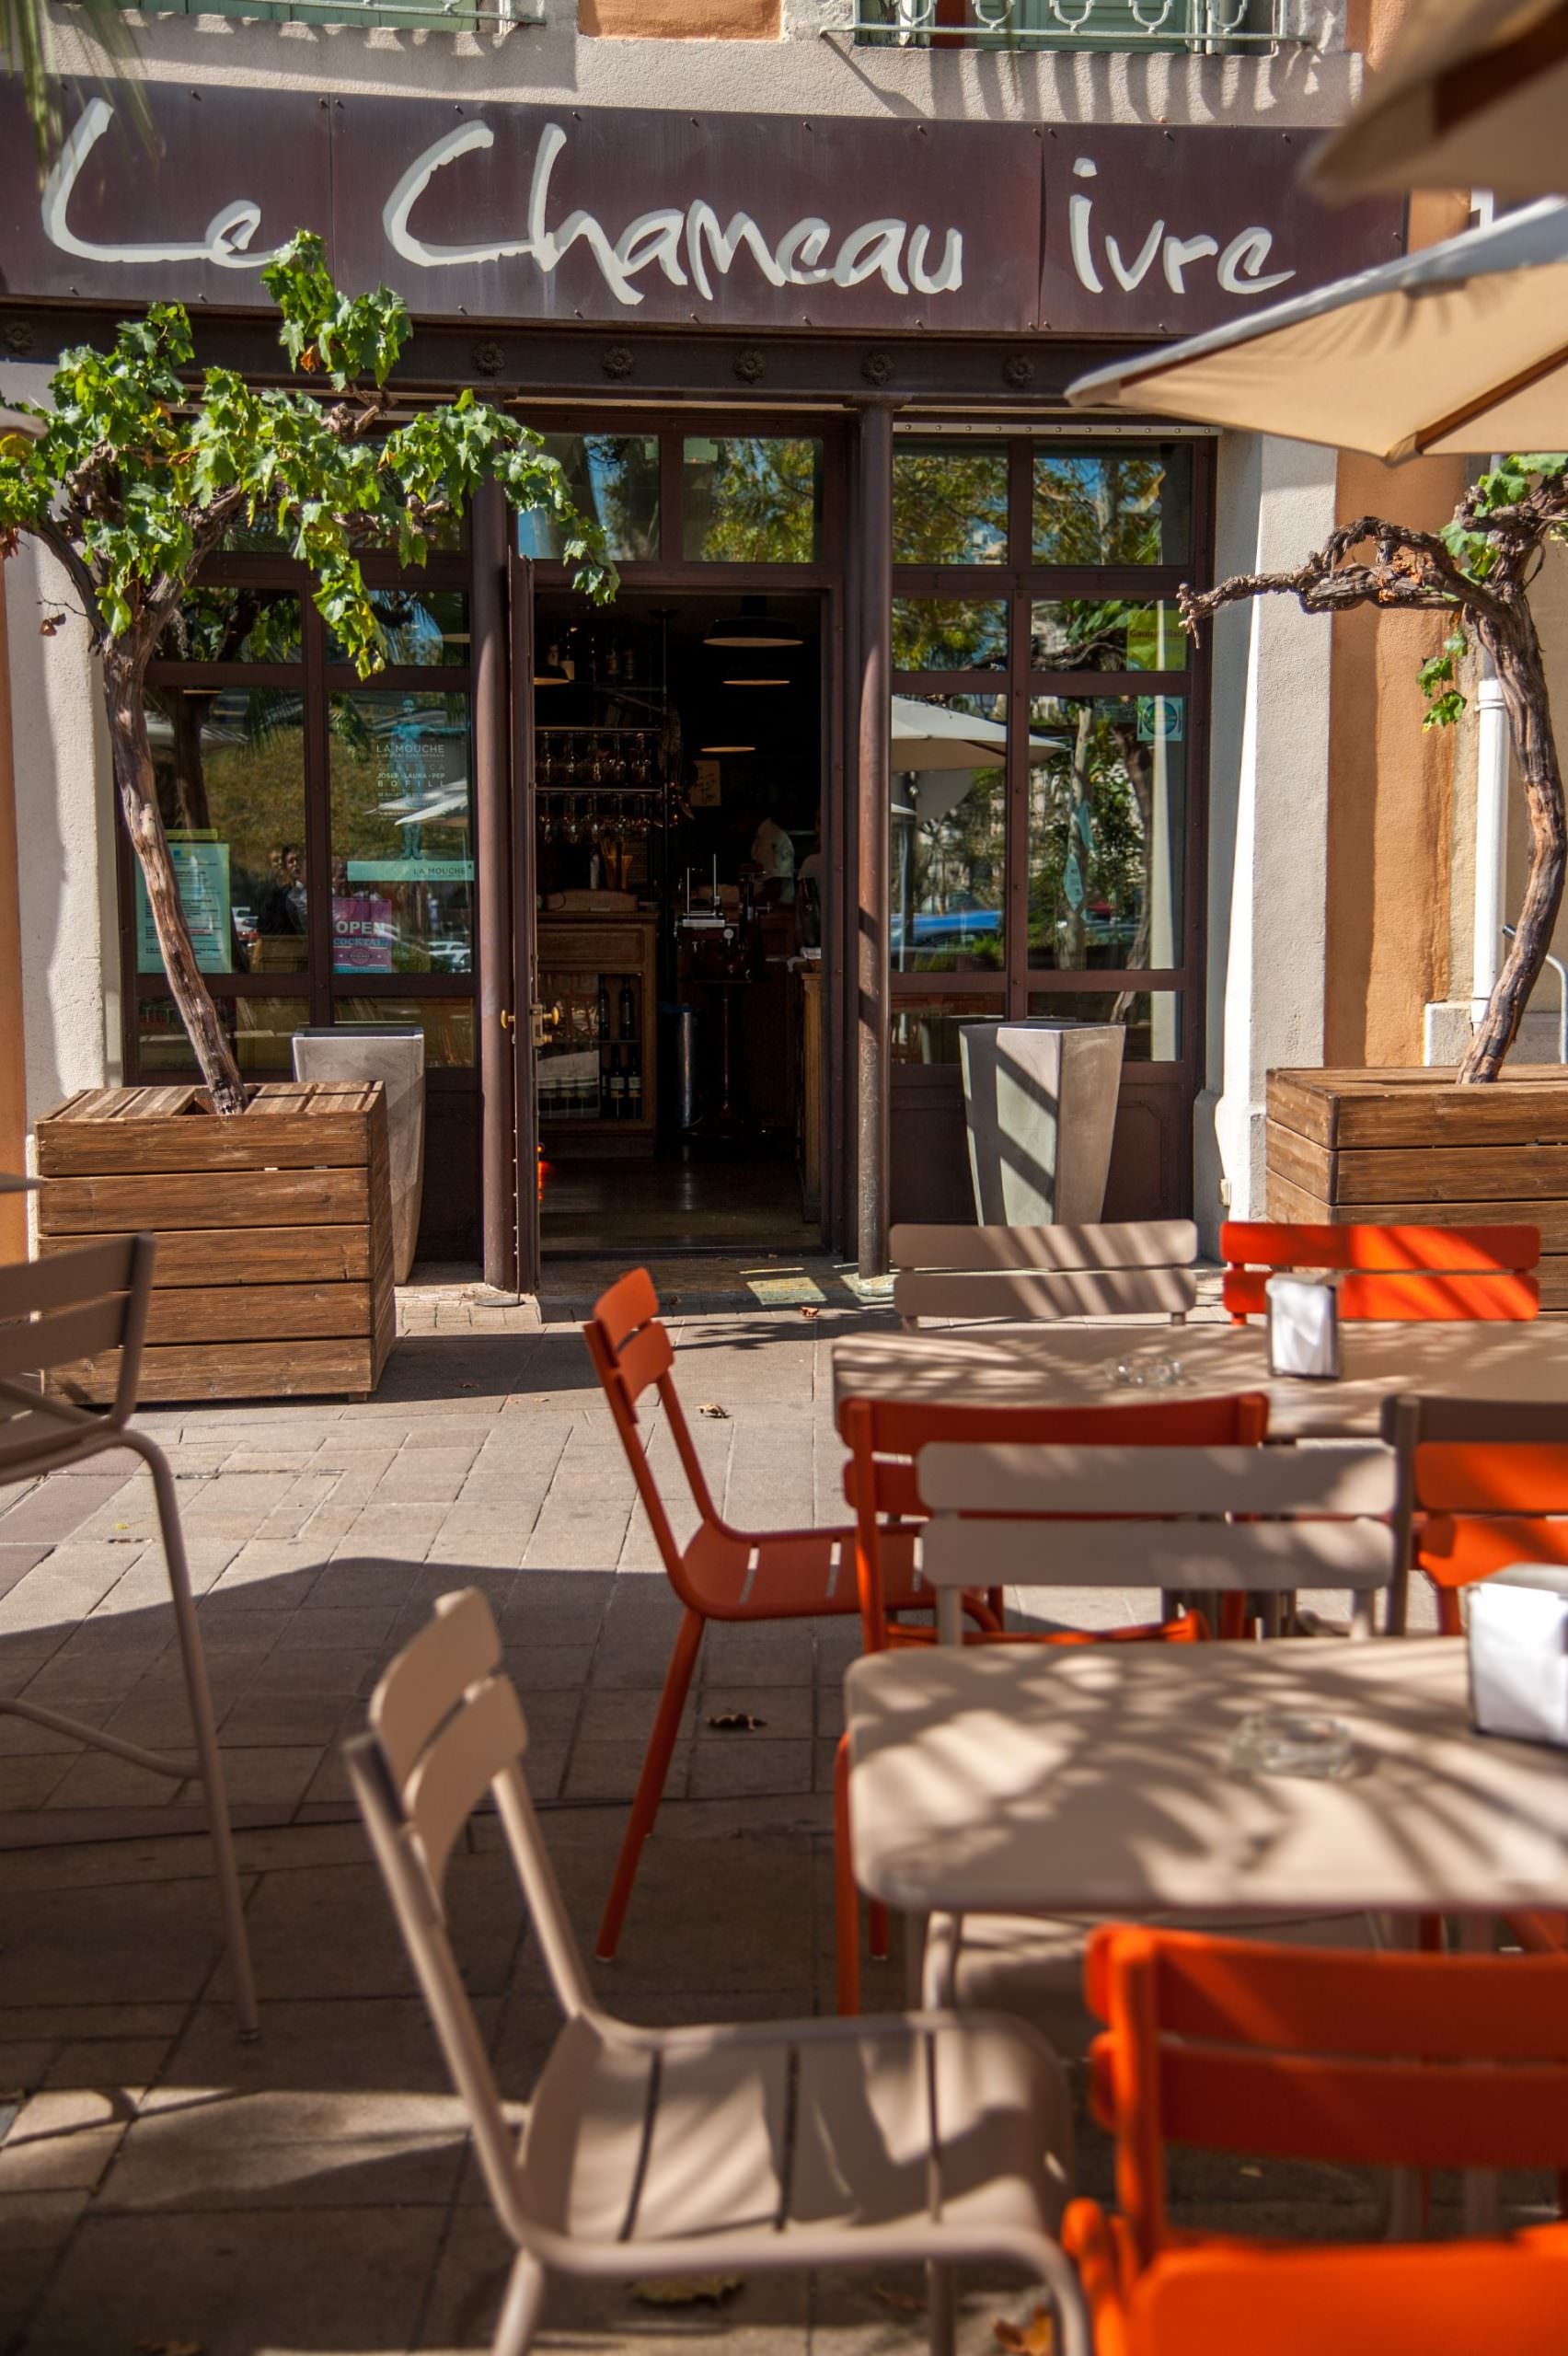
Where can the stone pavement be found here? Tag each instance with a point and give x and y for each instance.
(163, 2188)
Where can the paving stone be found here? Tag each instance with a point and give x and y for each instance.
(130, 1944)
(28, 1781)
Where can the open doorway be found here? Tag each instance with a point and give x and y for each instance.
(678, 794)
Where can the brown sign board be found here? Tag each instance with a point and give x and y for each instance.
(554, 214)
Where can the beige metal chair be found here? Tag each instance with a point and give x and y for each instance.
(1268, 1521)
(750, 2148)
(54, 1313)
(1141, 1268)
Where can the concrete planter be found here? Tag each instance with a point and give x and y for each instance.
(378, 1051)
(1040, 1104)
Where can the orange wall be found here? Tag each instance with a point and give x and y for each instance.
(682, 19)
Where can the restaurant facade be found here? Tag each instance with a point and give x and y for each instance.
(892, 723)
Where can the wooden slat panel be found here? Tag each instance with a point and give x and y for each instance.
(1421, 1108)
(260, 1255)
(258, 1313)
(199, 1142)
(1296, 1103)
(235, 1371)
(1550, 1218)
(1517, 1172)
(1311, 1167)
(1291, 1201)
(217, 1200)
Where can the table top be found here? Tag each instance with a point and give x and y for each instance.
(1075, 1365)
(1041, 1780)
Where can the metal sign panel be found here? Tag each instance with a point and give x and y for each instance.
(613, 218)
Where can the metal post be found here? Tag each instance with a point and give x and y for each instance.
(492, 738)
(874, 688)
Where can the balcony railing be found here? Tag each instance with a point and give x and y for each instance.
(1199, 26)
(416, 15)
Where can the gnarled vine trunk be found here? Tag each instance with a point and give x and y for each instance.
(1512, 643)
(134, 777)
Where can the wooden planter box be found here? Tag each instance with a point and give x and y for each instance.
(1408, 1146)
(274, 1265)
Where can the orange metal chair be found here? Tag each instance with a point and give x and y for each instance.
(1412, 1274)
(880, 1481)
(1316, 2054)
(1488, 1486)
(722, 1572)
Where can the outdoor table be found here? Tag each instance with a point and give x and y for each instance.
(1074, 1365)
(1040, 1780)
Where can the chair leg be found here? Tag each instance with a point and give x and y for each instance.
(1450, 1618)
(521, 2308)
(846, 1896)
(651, 1782)
(941, 2303)
(199, 1696)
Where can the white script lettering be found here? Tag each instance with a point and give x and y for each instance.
(1239, 270)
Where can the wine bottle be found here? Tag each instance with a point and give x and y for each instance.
(634, 1084)
(604, 1007)
(604, 1091)
(628, 1011)
(617, 1085)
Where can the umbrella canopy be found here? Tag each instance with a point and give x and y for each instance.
(1458, 350)
(1474, 95)
(929, 736)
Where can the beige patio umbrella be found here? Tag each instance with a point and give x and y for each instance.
(1474, 95)
(1459, 349)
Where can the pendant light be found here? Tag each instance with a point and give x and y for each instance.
(752, 627)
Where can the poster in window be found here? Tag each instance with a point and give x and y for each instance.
(202, 873)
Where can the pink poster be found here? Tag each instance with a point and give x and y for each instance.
(362, 935)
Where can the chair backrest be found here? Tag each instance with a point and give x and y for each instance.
(886, 1437)
(1321, 2053)
(1219, 1520)
(1138, 1267)
(1415, 1273)
(1487, 1480)
(54, 1313)
(632, 1351)
(446, 1730)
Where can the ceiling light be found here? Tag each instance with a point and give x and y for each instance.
(753, 626)
(726, 748)
(756, 683)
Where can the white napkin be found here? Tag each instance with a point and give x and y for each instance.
(1303, 1326)
(1519, 1653)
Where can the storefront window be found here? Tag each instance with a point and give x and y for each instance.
(424, 628)
(950, 503)
(924, 1030)
(1152, 1019)
(230, 769)
(950, 633)
(447, 1023)
(751, 498)
(402, 847)
(1121, 505)
(1107, 831)
(220, 624)
(614, 476)
(258, 1030)
(1106, 634)
(948, 838)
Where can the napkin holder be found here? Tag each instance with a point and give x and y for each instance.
(1304, 1332)
(1519, 1653)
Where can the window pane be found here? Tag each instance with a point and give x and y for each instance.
(750, 500)
(258, 1029)
(423, 626)
(1106, 634)
(1112, 505)
(950, 633)
(402, 851)
(216, 624)
(948, 846)
(924, 1030)
(448, 1022)
(950, 503)
(1152, 1018)
(614, 476)
(230, 769)
(1107, 831)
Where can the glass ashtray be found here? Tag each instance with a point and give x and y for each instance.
(1158, 1373)
(1292, 1742)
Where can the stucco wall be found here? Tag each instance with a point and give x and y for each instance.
(70, 952)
